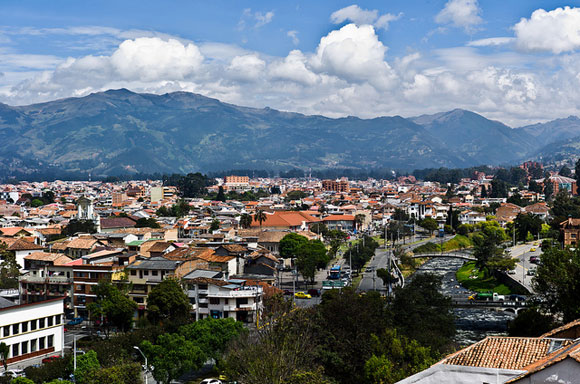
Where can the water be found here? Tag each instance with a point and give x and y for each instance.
(473, 324)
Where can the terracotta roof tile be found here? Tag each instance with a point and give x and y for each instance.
(23, 245)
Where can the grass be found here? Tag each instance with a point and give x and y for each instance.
(458, 242)
(479, 280)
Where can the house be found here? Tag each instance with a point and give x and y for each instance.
(21, 249)
(217, 298)
(261, 262)
(471, 217)
(32, 330)
(340, 222)
(81, 246)
(571, 230)
(507, 212)
(291, 220)
(538, 209)
(46, 278)
(112, 224)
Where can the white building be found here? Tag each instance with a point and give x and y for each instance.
(32, 330)
(218, 299)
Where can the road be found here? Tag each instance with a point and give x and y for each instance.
(522, 253)
(370, 282)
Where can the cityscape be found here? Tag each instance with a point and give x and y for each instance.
(289, 192)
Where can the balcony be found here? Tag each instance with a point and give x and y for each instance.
(46, 280)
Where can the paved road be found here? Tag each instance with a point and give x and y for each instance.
(380, 261)
(522, 253)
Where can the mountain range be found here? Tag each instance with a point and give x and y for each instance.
(122, 132)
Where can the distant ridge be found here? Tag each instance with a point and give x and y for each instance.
(120, 132)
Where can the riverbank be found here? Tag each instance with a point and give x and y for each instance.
(477, 280)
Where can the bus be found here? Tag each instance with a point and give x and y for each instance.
(334, 272)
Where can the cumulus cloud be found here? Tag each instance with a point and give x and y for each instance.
(247, 67)
(554, 31)
(359, 16)
(460, 13)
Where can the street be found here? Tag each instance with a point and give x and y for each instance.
(522, 253)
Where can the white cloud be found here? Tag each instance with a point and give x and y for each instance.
(460, 13)
(258, 19)
(359, 16)
(554, 31)
(247, 67)
(263, 18)
(293, 68)
(294, 36)
(491, 41)
(155, 59)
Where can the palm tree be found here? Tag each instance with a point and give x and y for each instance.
(260, 216)
(245, 220)
(4, 351)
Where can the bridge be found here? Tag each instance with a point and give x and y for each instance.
(454, 255)
(513, 306)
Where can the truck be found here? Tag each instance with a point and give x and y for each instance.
(486, 296)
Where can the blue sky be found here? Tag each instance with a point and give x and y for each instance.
(515, 61)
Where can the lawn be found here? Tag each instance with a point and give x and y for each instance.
(477, 280)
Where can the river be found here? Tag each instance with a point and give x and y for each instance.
(473, 324)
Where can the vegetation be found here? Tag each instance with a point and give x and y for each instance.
(190, 185)
(361, 252)
(9, 268)
(180, 209)
(245, 220)
(168, 304)
(75, 226)
(147, 223)
(479, 280)
(112, 307)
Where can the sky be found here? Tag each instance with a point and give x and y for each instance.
(517, 61)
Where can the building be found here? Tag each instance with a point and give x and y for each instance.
(571, 231)
(218, 298)
(32, 330)
(340, 222)
(340, 186)
(237, 183)
(561, 183)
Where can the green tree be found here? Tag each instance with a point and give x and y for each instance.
(556, 282)
(212, 335)
(429, 224)
(565, 171)
(190, 185)
(21, 380)
(385, 276)
(290, 243)
(486, 248)
(245, 220)
(36, 203)
(483, 191)
(167, 302)
(335, 238)
(319, 228)
(499, 188)
(396, 357)
(533, 186)
(548, 189)
(530, 323)
(87, 365)
(221, 195)
(215, 225)
(173, 355)
(113, 306)
(577, 171)
(311, 255)
(75, 226)
(9, 268)
(127, 373)
(400, 215)
(422, 313)
(4, 351)
(147, 223)
(260, 217)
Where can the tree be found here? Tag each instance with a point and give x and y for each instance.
(260, 217)
(483, 191)
(498, 188)
(527, 223)
(4, 351)
(548, 189)
(75, 226)
(117, 374)
(114, 306)
(556, 283)
(429, 224)
(530, 323)
(335, 238)
(36, 203)
(168, 303)
(311, 255)
(215, 225)
(173, 355)
(290, 243)
(212, 335)
(400, 215)
(190, 185)
(21, 380)
(319, 228)
(452, 218)
(221, 195)
(384, 275)
(422, 313)
(87, 365)
(486, 249)
(565, 171)
(147, 223)
(245, 220)
(9, 268)
(577, 171)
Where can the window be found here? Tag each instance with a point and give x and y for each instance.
(41, 343)
(24, 347)
(49, 321)
(41, 323)
(133, 273)
(7, 331)
(154, 273)
(50, 341)
(33, 345)
(57, 319)
(24, 327)
(32, 325)
(15, 349)
(15, 329)
(146, 273)
(573, 235)
(214, 300)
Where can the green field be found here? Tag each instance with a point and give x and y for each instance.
(476, 280)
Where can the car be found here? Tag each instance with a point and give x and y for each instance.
(512, 272)
(50, 359)
(76, 321)
(534, 259)
(533, 249)
(531, 272)
(369, 269)
(302, 295)
(314, 292)
(287, 292)
(514, 297)
(211, 381)
(13, 373)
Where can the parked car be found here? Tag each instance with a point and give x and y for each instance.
(302, 295)
(514, 297)
(532, 249)
(13, 373)
(512, 272)
(534, 259)
(531, 272)
(314, 292)
(50, 359)
(75, 321)
(211, 381)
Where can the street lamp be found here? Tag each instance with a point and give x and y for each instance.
(145, 357)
